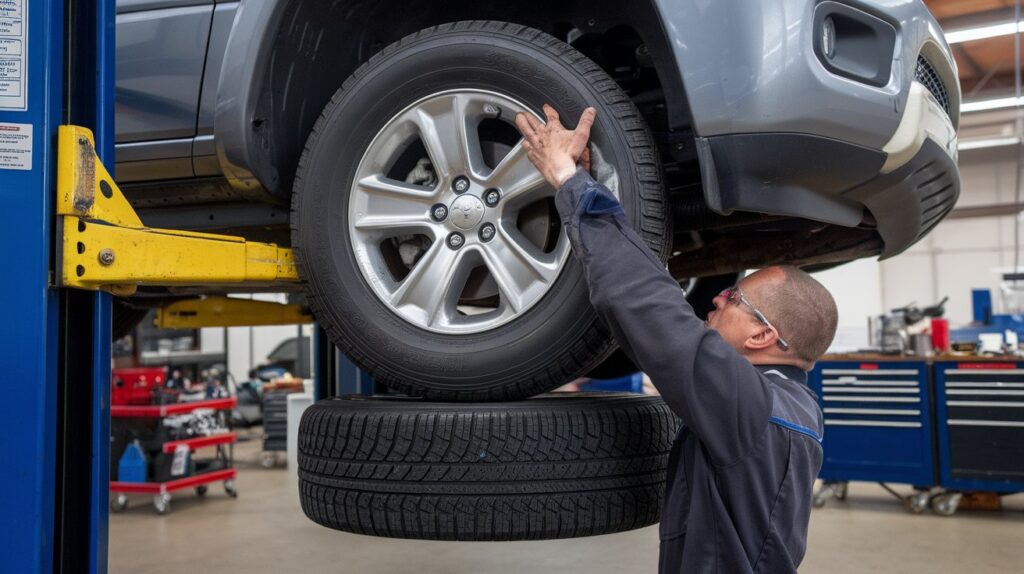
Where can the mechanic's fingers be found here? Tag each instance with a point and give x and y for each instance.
(535, 123)
(585, 159)
(552, 115)
(524, 125)
(587, 120)
(582, 133)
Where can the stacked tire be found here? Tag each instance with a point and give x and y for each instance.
(555, 466)
(450, 281)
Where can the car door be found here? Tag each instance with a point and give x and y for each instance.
(161, 54)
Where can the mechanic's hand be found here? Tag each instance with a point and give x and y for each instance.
(554, 150)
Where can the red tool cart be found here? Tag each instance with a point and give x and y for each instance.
(146, 420)
(135, 386)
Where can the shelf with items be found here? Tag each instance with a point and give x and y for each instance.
(160, 411)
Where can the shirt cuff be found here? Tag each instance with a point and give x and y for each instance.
(572, 190)
(581, 196)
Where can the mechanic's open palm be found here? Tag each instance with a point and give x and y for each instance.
(552, 148)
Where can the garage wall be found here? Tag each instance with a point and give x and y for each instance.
(857, 289)
(961, 254)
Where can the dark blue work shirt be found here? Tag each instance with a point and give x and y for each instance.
(742, 470)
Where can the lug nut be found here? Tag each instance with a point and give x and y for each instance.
(491, 197)
(486, 232)
(460, 184)
(456, 240)
(439, 212)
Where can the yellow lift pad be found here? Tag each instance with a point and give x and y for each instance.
(105, 246)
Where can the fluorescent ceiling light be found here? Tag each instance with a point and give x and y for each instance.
(982, 32)
(996, 104)
(979, 143)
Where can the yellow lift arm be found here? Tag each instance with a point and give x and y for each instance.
(105, 246)
(228, 312)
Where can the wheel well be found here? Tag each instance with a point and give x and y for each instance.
(319, 44)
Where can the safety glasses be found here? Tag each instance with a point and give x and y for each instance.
(734, 296)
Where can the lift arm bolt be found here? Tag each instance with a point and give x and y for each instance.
(106, 256)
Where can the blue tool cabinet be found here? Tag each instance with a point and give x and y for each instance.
(878, 423)
(980, 423)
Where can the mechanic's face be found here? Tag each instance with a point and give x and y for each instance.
(733, 321)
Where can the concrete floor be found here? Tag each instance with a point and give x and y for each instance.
(264, 530)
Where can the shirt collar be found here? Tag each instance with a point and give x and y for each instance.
(790, 372)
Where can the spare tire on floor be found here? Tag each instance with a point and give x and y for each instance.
(560, 465)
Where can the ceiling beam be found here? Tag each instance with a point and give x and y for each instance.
(976, 70)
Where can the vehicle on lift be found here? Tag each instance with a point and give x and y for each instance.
(381, 149)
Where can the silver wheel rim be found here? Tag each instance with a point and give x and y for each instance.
(443, 283)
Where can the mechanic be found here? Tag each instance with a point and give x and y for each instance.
(742, 469)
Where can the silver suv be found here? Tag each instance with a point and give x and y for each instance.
(376, 139)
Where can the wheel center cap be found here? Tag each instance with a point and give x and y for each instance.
(466, 211)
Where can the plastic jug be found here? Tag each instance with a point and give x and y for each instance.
(132, 465)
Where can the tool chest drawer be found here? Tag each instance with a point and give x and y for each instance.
(877, 421)
(980, 419)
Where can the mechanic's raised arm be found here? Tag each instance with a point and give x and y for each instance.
(717, 393)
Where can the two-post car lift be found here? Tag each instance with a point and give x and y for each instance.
(73, 239)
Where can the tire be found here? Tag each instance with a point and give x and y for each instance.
(617, 365)
(558, 337)
(557, 466)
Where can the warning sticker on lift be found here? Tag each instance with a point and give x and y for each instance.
(15, 146)
(13, 55)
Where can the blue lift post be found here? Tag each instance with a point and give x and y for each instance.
(334, 374)
(54, 419)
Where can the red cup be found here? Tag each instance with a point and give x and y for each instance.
(940, 334)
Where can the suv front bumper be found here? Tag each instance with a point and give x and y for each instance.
(780, 132)
(906, 187)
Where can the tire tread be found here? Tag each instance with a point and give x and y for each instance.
(596, 466)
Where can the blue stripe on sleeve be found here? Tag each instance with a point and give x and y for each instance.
(795, 427)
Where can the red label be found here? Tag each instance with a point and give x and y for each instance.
(986, 365)
(869, 366)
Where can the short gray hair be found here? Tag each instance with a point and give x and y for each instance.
(804, 312)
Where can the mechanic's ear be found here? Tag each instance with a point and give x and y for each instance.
(762, 339)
